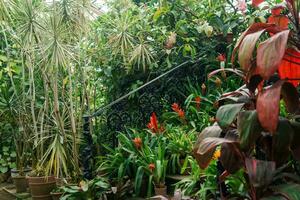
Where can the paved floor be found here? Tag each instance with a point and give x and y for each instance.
(5, 195)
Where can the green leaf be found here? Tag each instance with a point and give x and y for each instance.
(3, 58)
(248, 128)
(227, 114)
(138, 180)
(290, 191)
(282, 141)
(3, 169)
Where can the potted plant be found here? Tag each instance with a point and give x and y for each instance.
(19, 173)
(159, 176)
(52, 168)
(41, 184)
(93, 189)
(57, 193)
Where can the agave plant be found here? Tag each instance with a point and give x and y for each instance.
(249, 129)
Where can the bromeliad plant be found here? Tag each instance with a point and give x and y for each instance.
(252, 134)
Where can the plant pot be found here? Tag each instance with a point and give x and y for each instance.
(41, 187)
(162, 191)
(21, 183)
(56, 195)
(15, 172)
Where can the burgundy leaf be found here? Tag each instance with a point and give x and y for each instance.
(212, 131)
(282, 141)
(268, 107)
(230, 157)
(260, 172)
(246, 49)
(270, 54)
(290, 96)
(252, 29)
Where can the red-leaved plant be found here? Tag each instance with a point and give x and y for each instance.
(248, 127)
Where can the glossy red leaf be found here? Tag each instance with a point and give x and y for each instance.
(252, 29)
(256, 3)
(246, 49)
(267, 107)
(290, 66)
(270, 54)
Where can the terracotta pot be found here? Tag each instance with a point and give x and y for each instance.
(41, 187)
(56, 195)
(160, 191)
(21, 183)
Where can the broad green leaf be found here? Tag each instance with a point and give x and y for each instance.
(248, 128)
(290, 190)
(227, 114)
(138, 180)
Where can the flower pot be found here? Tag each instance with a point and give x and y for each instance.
(56, 195)
(41, 187)
(21, 183)
(160, 190)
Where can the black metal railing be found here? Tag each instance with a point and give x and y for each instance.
(134, 108)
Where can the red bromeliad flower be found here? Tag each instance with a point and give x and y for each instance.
(151, 167)
(176, 108)
(137, 142)
(198, 101)
(181, 114)
(153, 124)
(221, 57)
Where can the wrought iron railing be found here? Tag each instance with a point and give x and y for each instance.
(134, 108)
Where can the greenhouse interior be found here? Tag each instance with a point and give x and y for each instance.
(149, 99)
